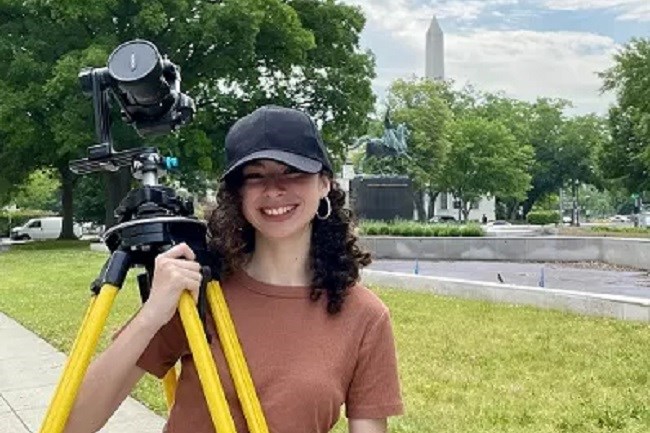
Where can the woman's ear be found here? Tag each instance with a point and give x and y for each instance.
(325, 185)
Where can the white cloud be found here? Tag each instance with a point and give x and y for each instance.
(629, 10)
(525, 64)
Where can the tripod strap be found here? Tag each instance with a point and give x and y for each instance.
(236, 361)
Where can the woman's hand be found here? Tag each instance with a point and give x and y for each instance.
(175, 270)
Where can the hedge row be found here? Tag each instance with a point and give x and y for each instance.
(412, 228)
(543, 217)
(608, 229)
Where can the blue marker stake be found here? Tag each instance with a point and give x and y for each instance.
(541, 278)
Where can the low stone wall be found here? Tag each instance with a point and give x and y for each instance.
(592, 304)
(619, 251)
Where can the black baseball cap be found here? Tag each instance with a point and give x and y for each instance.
(281, 134)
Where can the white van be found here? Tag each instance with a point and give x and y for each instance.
(42, 228)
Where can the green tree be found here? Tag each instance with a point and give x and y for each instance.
(629, 79)
(514, 115)
(625, 161)
(622, 159)
(485, 159)
(566, 149)
(89, 200)
(420, 105)
(40, 191)
(234, 56)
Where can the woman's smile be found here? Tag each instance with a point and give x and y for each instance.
(279, 213)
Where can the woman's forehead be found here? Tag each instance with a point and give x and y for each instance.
(265, 164)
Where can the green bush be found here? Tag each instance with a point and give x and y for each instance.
(18, 218)
(607, 229)
(417, 229)
(542, 217)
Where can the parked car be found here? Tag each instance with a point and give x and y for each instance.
(442, 219)
(500, 223)
(619, 219)
(41, 229)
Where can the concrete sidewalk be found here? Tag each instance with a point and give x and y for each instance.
(29, 371)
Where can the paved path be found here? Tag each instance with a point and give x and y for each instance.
(29, 371)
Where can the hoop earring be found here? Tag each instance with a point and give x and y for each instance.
(329, 209)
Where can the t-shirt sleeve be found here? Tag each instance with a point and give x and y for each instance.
(165, 348)
(375, 389)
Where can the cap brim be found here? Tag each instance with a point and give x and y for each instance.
(301, 163)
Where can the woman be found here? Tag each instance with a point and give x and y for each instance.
(313, 337)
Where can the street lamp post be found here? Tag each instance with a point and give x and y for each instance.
(576, 208)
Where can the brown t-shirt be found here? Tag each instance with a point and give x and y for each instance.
(304, 362)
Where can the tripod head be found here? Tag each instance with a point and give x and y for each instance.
(146, 86)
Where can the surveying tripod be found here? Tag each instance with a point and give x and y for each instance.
(154, 220)
(151, 219)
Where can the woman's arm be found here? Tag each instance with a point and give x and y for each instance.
(367, 425)
(115, 372)
(110, 378)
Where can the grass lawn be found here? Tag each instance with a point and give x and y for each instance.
(465, 366)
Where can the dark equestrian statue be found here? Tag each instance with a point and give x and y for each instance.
(392, 143)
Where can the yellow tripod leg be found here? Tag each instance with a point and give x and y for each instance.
(69, 367)
(205, 366)
(170, 382)
(236, 361)
(66, 393)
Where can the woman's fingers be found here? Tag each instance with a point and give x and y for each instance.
(186, 264)
(179, 251)
(191, 275)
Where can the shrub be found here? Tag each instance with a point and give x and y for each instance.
(607, 229)
(417, 229)
(543, 217)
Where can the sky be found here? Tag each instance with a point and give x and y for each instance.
(524, 48)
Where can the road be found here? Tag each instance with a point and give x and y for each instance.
(589, 277)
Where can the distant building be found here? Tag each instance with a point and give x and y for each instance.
(446, 206)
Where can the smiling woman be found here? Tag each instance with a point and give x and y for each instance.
(314, 338)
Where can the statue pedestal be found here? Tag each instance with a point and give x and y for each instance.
(382, 197)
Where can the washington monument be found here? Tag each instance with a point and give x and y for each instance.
(435, 52)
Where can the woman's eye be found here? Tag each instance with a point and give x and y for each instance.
(293, 173)
(251, 176)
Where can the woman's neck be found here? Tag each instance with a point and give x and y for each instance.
(284, 262)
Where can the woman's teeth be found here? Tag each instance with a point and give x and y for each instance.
(278, 210)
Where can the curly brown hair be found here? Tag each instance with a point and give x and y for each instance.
(336, 258)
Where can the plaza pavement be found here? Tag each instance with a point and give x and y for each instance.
(29, 371)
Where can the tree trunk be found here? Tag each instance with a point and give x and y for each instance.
(67, 185)
(465, 207)
(513, 211)
(116, 187)
(433, 196)
(419, 205)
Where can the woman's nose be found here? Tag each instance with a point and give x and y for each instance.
(273, 183)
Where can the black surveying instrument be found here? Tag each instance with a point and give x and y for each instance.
(150, 220)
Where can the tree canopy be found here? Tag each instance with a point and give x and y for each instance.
(625, 160)
(234, 56)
